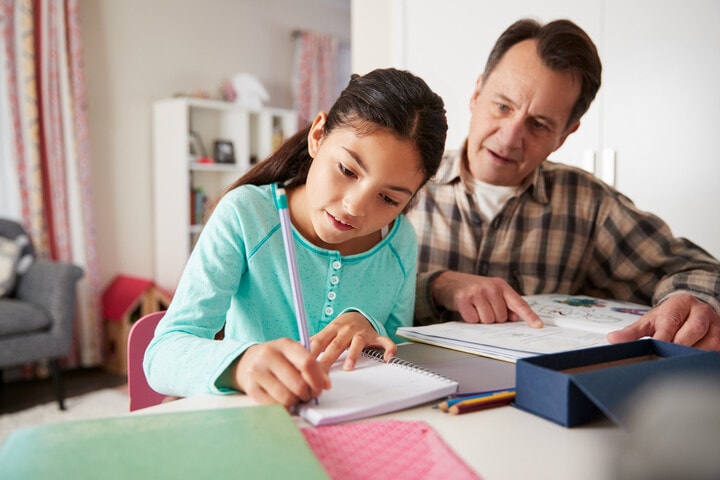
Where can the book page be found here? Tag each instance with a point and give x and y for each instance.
(571, 322)
(504, 341)
(373, 388)
(585, 313)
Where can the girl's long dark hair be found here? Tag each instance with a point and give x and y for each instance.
(388, 100)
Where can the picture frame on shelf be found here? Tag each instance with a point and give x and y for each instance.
(196, 148)
(224, 151)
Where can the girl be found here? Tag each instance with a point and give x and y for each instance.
(349, 177)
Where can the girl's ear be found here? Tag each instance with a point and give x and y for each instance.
(316, 134)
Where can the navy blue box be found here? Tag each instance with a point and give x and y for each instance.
(575, 387)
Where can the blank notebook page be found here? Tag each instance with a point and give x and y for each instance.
(374, 387)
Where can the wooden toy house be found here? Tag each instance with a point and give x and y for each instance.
(126, 300)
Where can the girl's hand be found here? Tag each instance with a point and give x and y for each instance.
(350, 331)
(280, 371)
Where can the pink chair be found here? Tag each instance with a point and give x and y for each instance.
(141, 332)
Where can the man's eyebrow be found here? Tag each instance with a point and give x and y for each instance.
(362, 166)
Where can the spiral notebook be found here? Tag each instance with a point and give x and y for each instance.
(375, 387)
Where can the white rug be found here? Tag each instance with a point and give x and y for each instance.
(101, 403)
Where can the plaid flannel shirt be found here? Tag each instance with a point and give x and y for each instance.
(563, 232)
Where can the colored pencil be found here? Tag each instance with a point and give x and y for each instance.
(477, 394)
(503, 395)
(457, 398)
(482, 403)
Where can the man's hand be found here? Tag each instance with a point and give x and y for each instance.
(482, 299)
(681, 319)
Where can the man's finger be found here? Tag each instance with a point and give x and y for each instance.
(519, 307)
(632, 332)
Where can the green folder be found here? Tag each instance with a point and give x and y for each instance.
(250, 442)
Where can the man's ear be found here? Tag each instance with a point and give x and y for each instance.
(476, 91)
(316, 134)
(571, 129)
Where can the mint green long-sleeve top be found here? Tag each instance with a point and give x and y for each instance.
(237, 277)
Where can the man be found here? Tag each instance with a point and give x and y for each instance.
(500, 220)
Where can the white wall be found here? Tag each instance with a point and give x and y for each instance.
(138, 51)
(656, 111)
(447, 44)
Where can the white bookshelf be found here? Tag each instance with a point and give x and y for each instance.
(176, 172)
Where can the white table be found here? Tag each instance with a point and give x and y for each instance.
(500, 443)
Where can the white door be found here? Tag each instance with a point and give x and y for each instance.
(661, 110)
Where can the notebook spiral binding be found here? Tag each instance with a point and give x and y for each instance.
(377, 354)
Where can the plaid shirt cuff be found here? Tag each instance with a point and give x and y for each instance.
(426, 312)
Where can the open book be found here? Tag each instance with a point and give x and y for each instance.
(374, 387)
(571, 322)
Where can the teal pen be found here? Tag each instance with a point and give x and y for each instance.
(282, 206)
(281, 203)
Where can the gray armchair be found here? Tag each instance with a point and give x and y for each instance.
(36, 318)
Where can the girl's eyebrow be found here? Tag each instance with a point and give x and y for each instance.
(396, 188)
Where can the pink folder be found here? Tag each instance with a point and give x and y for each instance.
(390, 449)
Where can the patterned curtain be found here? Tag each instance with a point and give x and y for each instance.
(321, 71)
(45, 162)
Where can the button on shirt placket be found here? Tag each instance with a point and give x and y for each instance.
(333, 282)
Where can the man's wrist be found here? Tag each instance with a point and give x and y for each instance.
(426, 312)
(431, 291)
